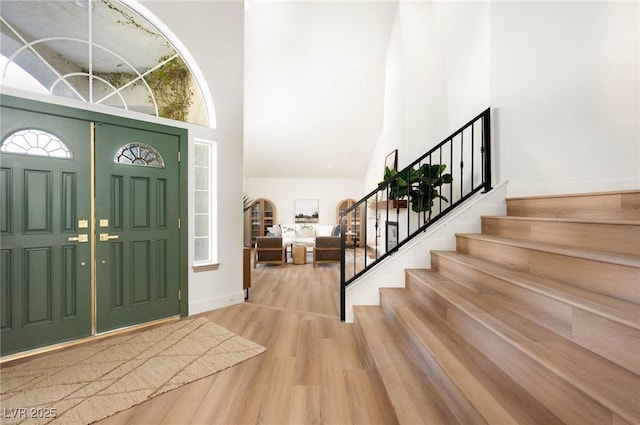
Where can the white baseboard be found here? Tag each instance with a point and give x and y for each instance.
(221, 301)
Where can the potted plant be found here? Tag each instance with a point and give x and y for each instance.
(246, 203)
(419, 185)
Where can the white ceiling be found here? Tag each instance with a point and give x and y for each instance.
(314, 86)
(314, 76)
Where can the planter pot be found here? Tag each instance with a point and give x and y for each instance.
(392, 205)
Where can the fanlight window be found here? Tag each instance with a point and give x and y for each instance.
(97, 51)
(139, 154)
(35, 143)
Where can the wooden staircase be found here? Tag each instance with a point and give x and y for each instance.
(534, 321)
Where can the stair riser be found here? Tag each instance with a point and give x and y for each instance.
(362, 346)
(621, 206)
(621, 238)
(567, 402)
(548, 312)
(450, 392)
(613, 341)
(369, 360)
(426, 296)
(604, 278)
(400, 393)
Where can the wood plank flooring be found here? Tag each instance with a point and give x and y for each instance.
(311, 373)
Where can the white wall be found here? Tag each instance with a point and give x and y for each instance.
(283, 192)
(213, 33)
(562, 78)
(437, 77)
(565, 82)
(392, 125)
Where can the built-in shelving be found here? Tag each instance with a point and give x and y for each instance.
(262, 214)
(352, 231)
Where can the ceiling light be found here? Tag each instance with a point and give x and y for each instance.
(83, 3)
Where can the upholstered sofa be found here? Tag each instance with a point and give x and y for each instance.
(304, 233)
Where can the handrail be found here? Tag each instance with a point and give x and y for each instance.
(411, 200)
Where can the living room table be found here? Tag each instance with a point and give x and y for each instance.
(299, 253)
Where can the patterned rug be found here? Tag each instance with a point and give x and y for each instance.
(92, 381)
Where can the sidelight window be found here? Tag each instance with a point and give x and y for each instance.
(204, 218)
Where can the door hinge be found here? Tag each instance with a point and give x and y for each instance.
(179, 156)
(179, 295)
(178, 223)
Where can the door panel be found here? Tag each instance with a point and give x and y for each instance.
(137, 209)
(45, 279)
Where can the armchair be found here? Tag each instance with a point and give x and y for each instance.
(269, 250)
(327, 250)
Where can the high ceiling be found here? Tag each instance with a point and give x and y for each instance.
(314, 73)
(314, 86)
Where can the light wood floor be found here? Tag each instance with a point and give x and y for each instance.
(311, 373)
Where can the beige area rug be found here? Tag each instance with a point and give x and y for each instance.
(90, 382)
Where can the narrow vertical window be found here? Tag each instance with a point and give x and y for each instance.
(204, 225)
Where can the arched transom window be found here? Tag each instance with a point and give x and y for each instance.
(34, 142)
(140, 154)
(97, 51)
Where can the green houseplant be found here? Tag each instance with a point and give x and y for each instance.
(421, 186)
(246, 203)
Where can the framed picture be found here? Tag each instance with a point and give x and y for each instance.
(306, 210)
(391, 235)
(391, 161)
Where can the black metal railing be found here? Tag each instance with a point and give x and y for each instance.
(408, 201)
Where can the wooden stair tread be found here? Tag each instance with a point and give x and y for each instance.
(498, 399)
(408, 392)
(627, 260)
(623, 312)
(618, 204)
(621, 222)
(613, 386)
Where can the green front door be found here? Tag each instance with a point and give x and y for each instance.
(45, 254)
(67, 245)
(137, 233)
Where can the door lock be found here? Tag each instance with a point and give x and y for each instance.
(108, 237)
(80, 238)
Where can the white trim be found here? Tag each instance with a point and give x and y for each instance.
(212, 198)
(221, 301)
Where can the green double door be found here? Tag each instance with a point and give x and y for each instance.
(89, 228)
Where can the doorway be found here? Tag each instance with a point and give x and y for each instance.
(90, 218)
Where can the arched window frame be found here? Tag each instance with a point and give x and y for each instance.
(139, 154)
(42, 148)
(179, 51)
